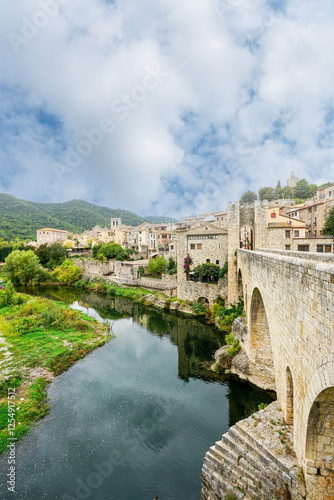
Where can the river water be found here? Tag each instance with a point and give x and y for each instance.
(134, 419)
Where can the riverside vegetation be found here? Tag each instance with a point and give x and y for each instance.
(39, 339)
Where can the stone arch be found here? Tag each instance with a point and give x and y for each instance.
(320, 429)
(247, 237)
(260, 349)
(289, 397)
(203, 300)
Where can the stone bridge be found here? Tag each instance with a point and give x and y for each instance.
(289, 304)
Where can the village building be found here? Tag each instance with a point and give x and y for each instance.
(49, 235)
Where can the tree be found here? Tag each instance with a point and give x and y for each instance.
(157, 266)
(67, 272)
(112, 251)
(172, 267)
(313, 188)
(51, 256)
(206, 272)
(302, 189)
(266, 193)
(24, 268)
(329, 224)
(248, 197)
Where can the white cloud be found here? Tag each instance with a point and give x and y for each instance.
(248, 98)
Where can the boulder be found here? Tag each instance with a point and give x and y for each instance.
(174, 306)
(223, 359)
(186, 310)
(240, 363)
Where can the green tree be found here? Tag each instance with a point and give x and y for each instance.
(172, 267)
(266, 193)
(24, 268)
(157, 266)
(67, 272)
(206, 272)
(329, 224)
(248, 197)
(51, 256)
(302, 189)
(313, 188)
(112, 251)
(96, 249)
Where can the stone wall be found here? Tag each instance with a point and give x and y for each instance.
(289, 308)
(193, 290)
(94, 267)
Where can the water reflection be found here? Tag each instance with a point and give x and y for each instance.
(142, 403)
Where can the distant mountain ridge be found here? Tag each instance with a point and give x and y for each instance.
(21, 218)
(157, 219)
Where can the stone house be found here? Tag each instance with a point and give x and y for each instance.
(49, 235)
(314, 215)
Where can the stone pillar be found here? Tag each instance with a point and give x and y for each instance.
(233, 218)
(261, 224)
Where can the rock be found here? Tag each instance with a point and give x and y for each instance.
(150, 299)
(240, 363)
(161, 303)
(185, 310)
(223, 359)
(174, 306)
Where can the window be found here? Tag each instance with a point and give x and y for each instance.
(287, 234)
(273, 215)
(296, 233)
(303, 248)
(217, 262)
(172, 247)
(287, 247)
(192, 246)
(199, 246)
(320, 248)
(207, 261)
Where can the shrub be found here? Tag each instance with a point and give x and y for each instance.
(172, 267)
(234, 345)
(24, 268)
(206, 272)
(112, 251)
(51, 256)
(67, 272)
(157, 266)
(223, 270)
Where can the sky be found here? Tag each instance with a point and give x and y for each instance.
(164, 107)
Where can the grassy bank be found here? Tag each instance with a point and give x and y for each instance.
(39, 339)
(136, 294)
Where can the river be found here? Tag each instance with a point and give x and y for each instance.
(134, 419)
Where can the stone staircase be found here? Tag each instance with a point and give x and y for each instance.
(254, 460)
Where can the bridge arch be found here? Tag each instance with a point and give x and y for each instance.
(289, 397)
(260, 348)
(320, 429)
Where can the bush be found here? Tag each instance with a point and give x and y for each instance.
(67, 272)
(234, 345)
(157, 266)
(206, 272)
(172, 267)
(223, 270)
(112, 251)
(24, 268)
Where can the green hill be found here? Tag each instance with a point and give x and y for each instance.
(21, 219)
(157, 219)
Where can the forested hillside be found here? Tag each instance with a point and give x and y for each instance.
(21, 219)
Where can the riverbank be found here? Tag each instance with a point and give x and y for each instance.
(143, 296)
(39, 339)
